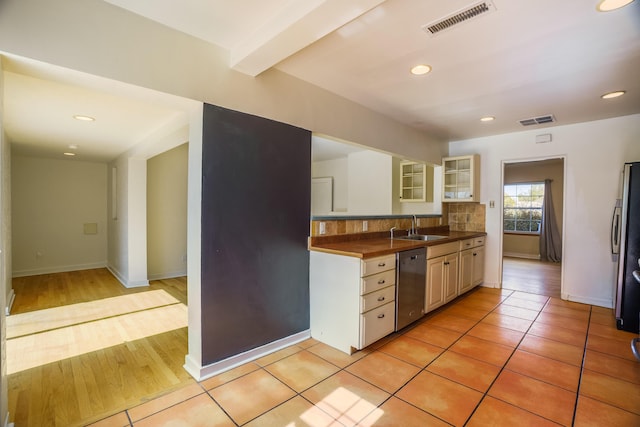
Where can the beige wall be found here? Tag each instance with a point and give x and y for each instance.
(51, 201)
(528, 246)
(167, 213)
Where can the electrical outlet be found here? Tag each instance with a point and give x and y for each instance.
(365, 225)
(323, 228)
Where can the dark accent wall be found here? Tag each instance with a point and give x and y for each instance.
(256, 198)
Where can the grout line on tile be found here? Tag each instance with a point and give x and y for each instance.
(222, 408)
(126, 412)
(584, 356)
(484, 395)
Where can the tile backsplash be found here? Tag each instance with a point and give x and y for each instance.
(353, 226)
(465, 216)
(458, 216)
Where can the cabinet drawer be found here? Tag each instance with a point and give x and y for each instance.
(377, 298)
(442, 249)
(471, 243)
(376, 324)
(377, 281)
(478, 241)
(376, 265)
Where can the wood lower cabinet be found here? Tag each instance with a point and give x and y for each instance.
(471, 264)
(442, 275)
(352, 301)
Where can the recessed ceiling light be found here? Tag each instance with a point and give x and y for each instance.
(84, 118)
(69, 154)
(487, 119)
(609, 5)
(418, 70)
(613, 94)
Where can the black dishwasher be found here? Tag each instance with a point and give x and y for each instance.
(410, 286)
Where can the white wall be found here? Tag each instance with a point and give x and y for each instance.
(595, 152)
(370, 183)
(337, 169)
(52, 199)
(5, 257)
(167, 213)
(127, 258)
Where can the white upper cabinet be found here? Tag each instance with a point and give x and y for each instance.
(461, 178)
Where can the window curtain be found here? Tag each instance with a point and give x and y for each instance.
(550, 238)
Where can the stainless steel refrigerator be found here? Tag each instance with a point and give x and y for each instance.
(625, 242)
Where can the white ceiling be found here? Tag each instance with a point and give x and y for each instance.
(41, 100)
(528, 58)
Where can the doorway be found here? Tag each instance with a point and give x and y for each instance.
(523, 267)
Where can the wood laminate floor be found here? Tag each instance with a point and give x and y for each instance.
(532, 276)
(82, 346)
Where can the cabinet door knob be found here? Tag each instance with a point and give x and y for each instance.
(380, 298)
(381, 282)
(380, 316)
(474, 254)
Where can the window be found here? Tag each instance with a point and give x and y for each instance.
(523, 207)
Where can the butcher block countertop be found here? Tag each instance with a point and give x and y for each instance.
(376, 245)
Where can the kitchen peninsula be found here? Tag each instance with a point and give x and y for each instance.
(353, 280)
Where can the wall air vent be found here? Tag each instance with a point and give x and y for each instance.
(469, 12)
(538, 120)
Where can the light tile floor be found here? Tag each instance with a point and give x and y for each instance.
(492, 357)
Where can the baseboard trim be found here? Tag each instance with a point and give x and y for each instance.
(126, 283)
(201, 373)
(170, 275)
(6, 421)
(490, 285)
(10, 298)
(61, 269)
(600, 302)
(521, 255)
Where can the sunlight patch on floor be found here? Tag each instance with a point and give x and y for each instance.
(105, 323)
(344, 406)
(52, 318)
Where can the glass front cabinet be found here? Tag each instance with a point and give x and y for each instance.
(412, 182)
(461, 178)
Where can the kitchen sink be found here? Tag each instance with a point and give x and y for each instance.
(425, 237)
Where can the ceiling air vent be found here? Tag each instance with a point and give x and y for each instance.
(538, 120)
(469, 12)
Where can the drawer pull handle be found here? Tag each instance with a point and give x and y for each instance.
(381, 264)
(474, 254)
(446, 263)
(380, 316)
(381, 282)
(381, 298)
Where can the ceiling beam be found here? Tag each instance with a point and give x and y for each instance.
(299, 24)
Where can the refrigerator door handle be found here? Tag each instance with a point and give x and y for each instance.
(615, 229)
(634, 347)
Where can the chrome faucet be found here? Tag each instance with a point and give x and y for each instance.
(414, 223)
(392, 228)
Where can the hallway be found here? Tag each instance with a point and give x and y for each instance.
(532, 276)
